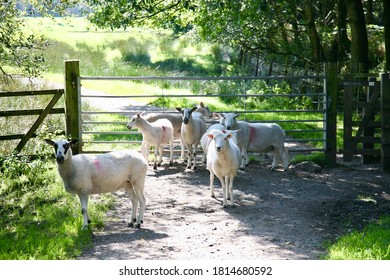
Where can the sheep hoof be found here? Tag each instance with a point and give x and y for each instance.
(194, 168)
(170, 163)
(155, 167)
(89, 221)
(138, 226)
(130, 224)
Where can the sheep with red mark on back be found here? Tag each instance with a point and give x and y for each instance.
(87, 174)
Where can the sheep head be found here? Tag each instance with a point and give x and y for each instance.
(134, 120)
(220, 139)
(186, 113)
(62, 148)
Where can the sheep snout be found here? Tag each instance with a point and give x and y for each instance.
(60, 159)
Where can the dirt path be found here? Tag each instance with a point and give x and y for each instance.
(278, 215)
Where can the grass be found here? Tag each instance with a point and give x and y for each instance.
(371, 244)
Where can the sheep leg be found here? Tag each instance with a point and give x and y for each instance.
(182, 145)
(155, 158)
(194, 156)
(212, 184)
(84, 210)
(280, 155)
(139, 191)
(229, 179)
(275, 157)
(224, 191)
(144, 150)
(189, 155)
(160, 153)
(285, 158)
(245, 158)
(134, 206)
(171, 153)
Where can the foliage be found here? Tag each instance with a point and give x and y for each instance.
(371, 244)
(20, 53)
(300, 32)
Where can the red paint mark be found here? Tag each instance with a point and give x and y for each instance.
(96, 162)
(164, 133)
(252, 133)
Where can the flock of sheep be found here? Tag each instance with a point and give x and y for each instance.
(225, 145)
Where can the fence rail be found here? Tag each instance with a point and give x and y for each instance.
(321, 102)
(42, 114)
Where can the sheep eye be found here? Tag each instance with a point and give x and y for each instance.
(66, 147)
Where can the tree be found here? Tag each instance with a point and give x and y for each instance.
(359, 45)
(386, 15)
(19, 54)
(22, 54)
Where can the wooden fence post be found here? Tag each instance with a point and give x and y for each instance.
(331, 85)
(72, 72)
(385, 123)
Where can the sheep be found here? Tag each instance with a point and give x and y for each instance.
(259, 137)
(86, 174)
(156, 134)
(223, 160)
(192, 129)
(228, 120)
(205, 140)
(176, 120)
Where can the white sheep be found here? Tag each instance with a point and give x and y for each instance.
(223, 160)
(192, 129)
(229, 121)
(205, 140)
(260, 138)
(176, 120)
(87, 174)
(155, 134)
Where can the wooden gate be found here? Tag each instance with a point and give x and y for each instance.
(42, 113)
(365, 121)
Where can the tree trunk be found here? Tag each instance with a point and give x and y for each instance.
(341, 45)
(386, 23)
(359, 46)
(315, 42)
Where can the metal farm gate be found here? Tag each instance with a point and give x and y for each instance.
(322, 124)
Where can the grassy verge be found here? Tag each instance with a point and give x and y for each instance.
(39, 220)
(371, 244)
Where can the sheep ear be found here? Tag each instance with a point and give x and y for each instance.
(237, 115)
(73, 142)
(210, 136)
(143, 113)
(50, 142)
(138, 115)
(179, 109)
(193, 109)
(201, 104)
(216, 115)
